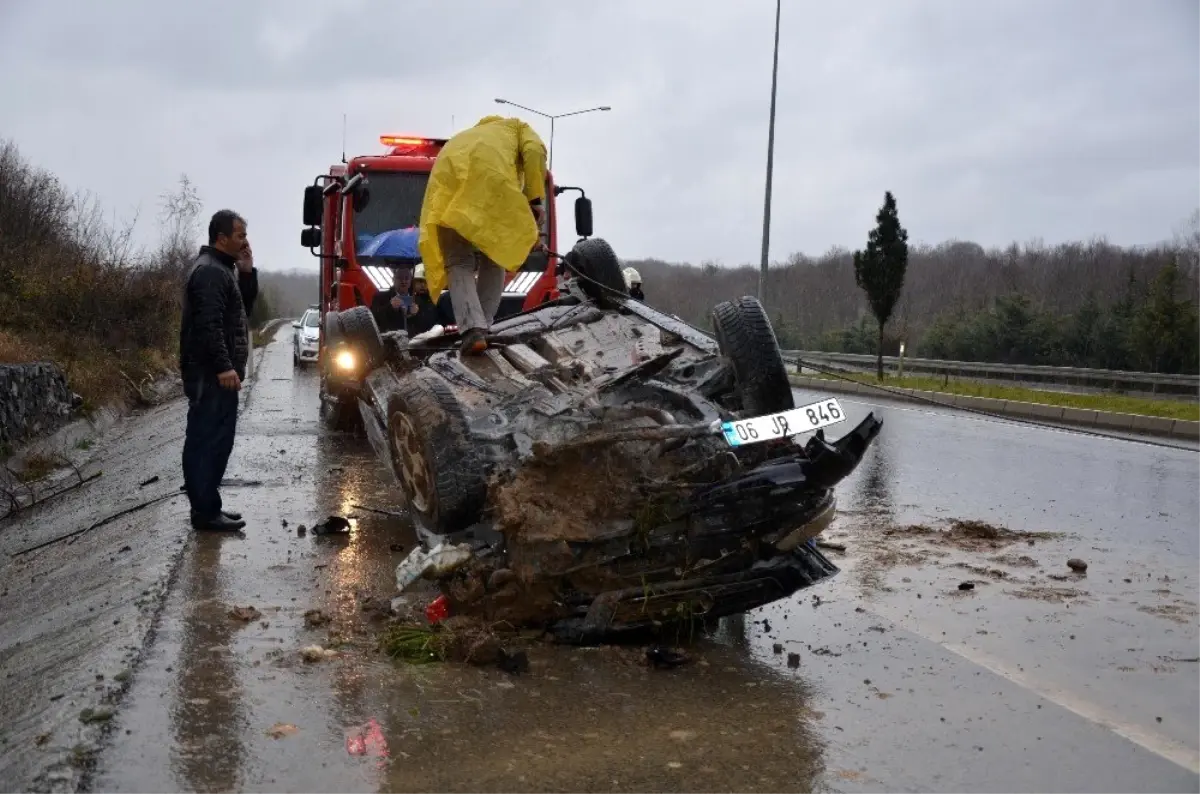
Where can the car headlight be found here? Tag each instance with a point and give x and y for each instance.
(345, 360)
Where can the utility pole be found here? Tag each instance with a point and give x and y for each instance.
(766, 234)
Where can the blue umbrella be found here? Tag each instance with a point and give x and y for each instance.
(397, 243)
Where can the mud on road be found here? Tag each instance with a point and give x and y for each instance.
(216, 663)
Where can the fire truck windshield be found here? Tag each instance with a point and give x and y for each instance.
(395, 203)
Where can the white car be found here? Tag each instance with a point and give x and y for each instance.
(305, 332)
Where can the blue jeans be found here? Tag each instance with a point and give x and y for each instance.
(211, 426)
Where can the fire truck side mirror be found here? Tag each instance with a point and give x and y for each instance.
(312, 205)
(310, 238)
(583, 216)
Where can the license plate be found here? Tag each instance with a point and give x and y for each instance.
(804, 419)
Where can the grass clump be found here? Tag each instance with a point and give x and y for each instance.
(414, 644)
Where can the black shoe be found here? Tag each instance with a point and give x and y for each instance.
(232, 516)
(474, 342)
(221, 523)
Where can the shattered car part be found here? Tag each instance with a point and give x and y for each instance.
(612, 469)
(438, 561)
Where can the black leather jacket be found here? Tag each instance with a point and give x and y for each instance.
(214, 334)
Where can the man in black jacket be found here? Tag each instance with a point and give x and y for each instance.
(214, 348)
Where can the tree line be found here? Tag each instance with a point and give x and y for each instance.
(1089, 304)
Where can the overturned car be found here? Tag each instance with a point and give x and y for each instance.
(604, 469)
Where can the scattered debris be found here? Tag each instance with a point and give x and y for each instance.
(245, 614)
(1077, 565)
(301, 530)
(1047, 593)
(150, 481)
(281, 729)
(315, 653)
(314, 618)
(334, 525)
(793, 660)
(1192, 659)
(1182, 614)
(777, 648)
(396, 547)
(42, 739)
(283, 521)
(368, 740)
(378, 511)
(98, 714)
(438, 561)
(661, 657)
(966, 586)
(513, 661)
(438, 610)
(831, 545)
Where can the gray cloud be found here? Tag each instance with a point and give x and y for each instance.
(995, 120)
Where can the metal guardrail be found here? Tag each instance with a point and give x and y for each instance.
(1098, 378)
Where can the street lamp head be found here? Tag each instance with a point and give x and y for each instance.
(605, 107)
(501, 101)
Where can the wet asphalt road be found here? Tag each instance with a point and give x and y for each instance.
(1026, 682)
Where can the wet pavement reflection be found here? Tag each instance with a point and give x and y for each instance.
(895, 687)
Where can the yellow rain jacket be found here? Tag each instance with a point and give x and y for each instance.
(481, 186)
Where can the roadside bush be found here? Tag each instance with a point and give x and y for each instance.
(74, 290)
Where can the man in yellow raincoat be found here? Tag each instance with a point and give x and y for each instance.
(481, 216)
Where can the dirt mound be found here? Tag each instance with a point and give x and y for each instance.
(969, 535)
(576, 493)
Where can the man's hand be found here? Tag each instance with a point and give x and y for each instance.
(245, 261)
(413, 308)
(396, 302)
(229, 380)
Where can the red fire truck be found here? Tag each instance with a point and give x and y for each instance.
(366, 196)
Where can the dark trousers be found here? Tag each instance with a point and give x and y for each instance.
(211, 426)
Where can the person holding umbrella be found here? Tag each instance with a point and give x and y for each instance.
(392, 307)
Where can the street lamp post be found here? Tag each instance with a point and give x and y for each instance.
(766, 235)
(552, 117)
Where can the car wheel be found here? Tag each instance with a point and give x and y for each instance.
(361, 332)
(435, 460)
(599, 271)
(745, 337)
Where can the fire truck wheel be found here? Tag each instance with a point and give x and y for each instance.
(599, 271)
(360, 331)
(745, 337)
(439, 468)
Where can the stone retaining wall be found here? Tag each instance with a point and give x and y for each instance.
(34, 399)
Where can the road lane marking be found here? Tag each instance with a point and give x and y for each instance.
(1148, 739)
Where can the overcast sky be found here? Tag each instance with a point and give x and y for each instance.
(990, 120)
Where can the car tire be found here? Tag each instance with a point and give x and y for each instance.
(361, 332)
(439, 468)
(599, 271)
(745, 337)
